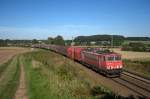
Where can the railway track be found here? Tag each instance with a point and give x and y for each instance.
(138, 84)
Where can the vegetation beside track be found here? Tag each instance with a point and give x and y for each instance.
(9, 79)
(141, 67)
(50, 75)
(136, 62)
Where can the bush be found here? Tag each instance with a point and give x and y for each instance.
(65, 73)
(136, 46)
(97, 90)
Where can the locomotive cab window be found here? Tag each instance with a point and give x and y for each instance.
(110, 58)
(117, 57)
(113, 58)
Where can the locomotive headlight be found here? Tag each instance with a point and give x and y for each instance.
(108, 67)
(120, 66)
(112, 67)
(117, 66)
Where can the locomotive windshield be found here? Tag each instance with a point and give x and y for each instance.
(117, 57)
(113, 58)
(110, 58)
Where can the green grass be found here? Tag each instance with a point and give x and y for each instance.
(141, 67)
(4, 66)
(10, 79)
(47, 82)
(52, 76)
(145, 42)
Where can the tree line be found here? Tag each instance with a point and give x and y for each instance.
(116, 40)
(136, 46)
(58, 40)
(109, 37)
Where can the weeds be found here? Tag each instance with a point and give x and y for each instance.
(141, 67)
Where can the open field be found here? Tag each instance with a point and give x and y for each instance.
(144, 42)
(9, 70)
(7, 52)
(133, 55)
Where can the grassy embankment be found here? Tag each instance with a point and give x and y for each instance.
(9, 78)
(141, 67)
(137, 62)
(52, 76)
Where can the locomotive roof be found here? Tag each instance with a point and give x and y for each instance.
(102, 52)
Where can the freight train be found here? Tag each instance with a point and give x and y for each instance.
(103, 61)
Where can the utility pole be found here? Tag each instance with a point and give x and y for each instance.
(112, 42)
(72, 41)
(72, 48)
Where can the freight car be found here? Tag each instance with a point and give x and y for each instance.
(100, 60)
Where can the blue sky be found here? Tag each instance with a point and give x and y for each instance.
(28, 19)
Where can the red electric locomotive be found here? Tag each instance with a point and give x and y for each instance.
(103, 61)
(108, 63)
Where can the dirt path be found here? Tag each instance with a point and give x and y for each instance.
(21, 92)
